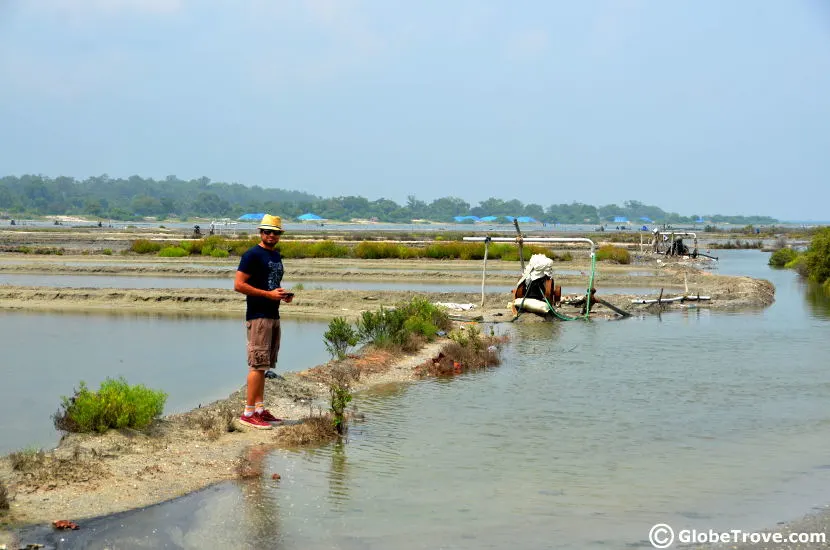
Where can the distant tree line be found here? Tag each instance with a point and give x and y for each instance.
(135, 198)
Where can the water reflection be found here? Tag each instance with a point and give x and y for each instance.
(818, 299)
(338, 476)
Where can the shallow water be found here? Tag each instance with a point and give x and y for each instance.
(584, 437)
(123, 281)
(44, 356)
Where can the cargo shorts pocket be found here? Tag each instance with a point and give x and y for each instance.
(259, 356)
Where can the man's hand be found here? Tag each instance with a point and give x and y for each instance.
(280, 294)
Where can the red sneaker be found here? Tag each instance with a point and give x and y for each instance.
(254, 421)
(270, 418)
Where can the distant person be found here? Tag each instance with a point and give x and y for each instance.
(259, 277)
(12, 223)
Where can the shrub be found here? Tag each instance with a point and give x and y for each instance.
(407, 325)
(172, 252)
(799, 264)
(382, 328)
(328, 249)
(107, 252)
(375, 251)
(613, 254)
(818, 256)
(115, 405)
(219, 253)
(339, 337)
(782, 257)
(422, 310)
(144, 246)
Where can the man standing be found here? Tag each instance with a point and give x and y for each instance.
(258, 277)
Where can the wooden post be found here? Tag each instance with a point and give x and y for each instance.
(519, 240)
(484, 272)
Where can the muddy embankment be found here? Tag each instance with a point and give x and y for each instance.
(674, 278)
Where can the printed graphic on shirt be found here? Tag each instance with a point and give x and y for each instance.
(275, 273)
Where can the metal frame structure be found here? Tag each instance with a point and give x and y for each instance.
(520, 240)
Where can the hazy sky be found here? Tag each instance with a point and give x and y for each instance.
(705, 106)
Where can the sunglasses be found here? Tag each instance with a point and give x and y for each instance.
(270, 232)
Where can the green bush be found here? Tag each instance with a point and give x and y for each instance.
(339, 337)
(383, 328)
(328, 249)
(799, 264)
(396, 327)
(818, 256)
(613, 253)
(782, 257)
(172, 252)
(107, 252)
(144, 246)
(219, 253)
(115, 405)
(381, 250)
(49, 250)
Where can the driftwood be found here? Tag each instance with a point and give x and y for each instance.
(662, 300)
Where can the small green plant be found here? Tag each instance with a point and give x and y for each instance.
(172, 252)
(144, 246)
(298, 286)
(782, 257)
(339, 337)
(340, 380)
(107, 252)
(219, 253)
(614, 254)
(115, 405)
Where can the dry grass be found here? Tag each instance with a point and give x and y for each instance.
(27, 460)
(312, 430)
(457, 358)
(216, 421)
(38, 468)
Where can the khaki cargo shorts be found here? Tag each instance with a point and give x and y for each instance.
(263, 343)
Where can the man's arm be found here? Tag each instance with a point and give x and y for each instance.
(240, 284)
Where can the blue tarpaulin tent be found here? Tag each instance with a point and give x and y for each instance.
(460, 219)
(488, 219)
(522, 219)
(251, 217)
(620, 219)
(309, 217)
(646, 219)
(699, 220)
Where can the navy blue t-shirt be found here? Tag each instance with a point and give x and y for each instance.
(265, 269)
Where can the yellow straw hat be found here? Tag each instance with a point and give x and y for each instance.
(274, 223)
